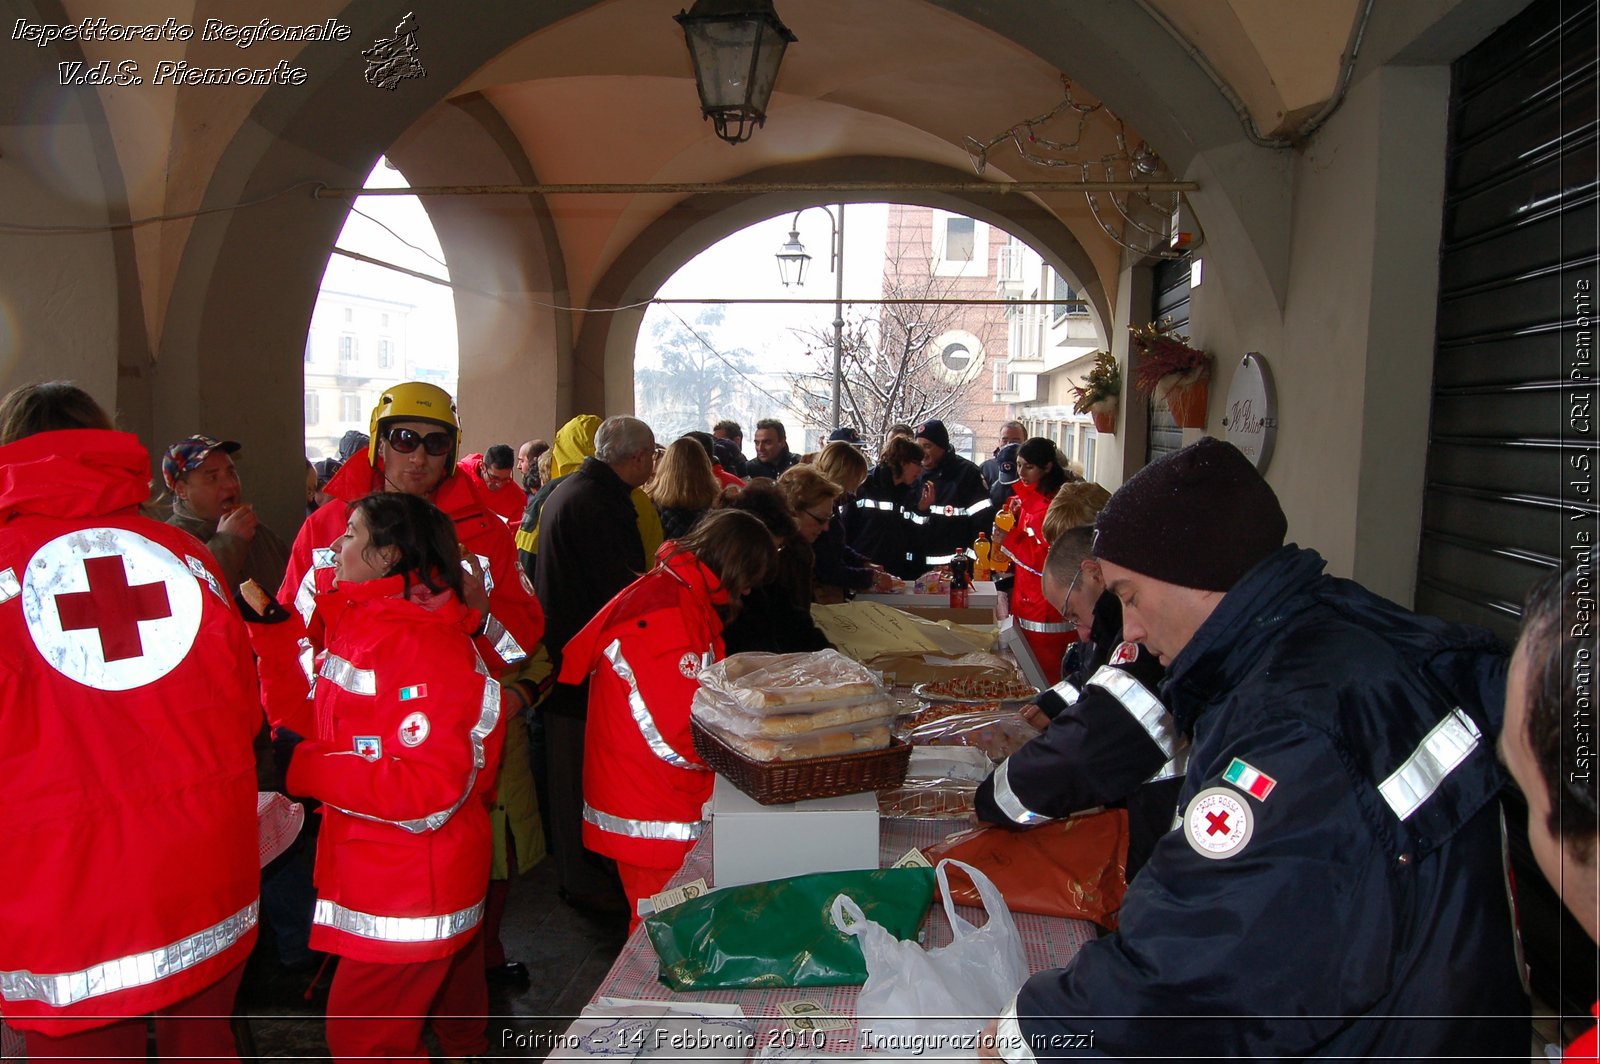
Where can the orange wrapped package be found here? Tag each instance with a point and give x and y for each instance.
(1075, 867)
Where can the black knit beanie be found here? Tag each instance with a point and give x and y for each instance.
(1201, 517)
(935, 433)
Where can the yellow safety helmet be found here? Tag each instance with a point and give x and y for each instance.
(415, 401)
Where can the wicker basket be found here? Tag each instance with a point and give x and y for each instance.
(778, 782)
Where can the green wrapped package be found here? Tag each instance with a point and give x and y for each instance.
(781, 933)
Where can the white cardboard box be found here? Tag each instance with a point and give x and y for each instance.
(752, 843)
(1017, 645)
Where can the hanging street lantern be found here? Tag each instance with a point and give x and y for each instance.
(792, 261)
(736, 46)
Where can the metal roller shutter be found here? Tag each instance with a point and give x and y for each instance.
(1519, 245)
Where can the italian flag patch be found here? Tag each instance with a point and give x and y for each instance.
(1255, 783)
(408, 693)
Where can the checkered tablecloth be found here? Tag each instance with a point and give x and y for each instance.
(1049, 942)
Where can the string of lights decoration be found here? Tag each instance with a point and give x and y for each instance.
(1141, 222)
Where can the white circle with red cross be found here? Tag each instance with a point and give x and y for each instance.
(1218, 823)
(414, 729)
(109, 608)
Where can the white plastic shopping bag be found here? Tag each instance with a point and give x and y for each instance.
(953, 991)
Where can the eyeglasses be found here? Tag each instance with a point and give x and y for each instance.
(823, 520)
(407, 440)
(1066, 600)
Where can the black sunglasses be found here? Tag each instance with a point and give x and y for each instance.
(407, 440)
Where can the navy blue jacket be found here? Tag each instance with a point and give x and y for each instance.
(771, 470)
(1110, 741)
(883, 523)
(961, 509)
(1353, 903)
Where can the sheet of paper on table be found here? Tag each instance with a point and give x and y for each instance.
(868, 630)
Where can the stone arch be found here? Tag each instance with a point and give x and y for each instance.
(505, 266)
(604, 351)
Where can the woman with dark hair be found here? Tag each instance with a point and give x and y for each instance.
(1041, 471)
(882, 522)
(126, 771)
(1549, 680)
(643, 783)
(777, 613)
(403, 736)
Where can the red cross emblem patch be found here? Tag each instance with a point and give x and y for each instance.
(109, 608)
(1125, 653)
(1217, 823)
(414, 729)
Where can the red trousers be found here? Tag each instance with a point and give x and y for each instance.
(378, 1010)
(638, 882)
(198, 1029)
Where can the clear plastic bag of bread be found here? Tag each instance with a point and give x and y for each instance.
(999, 732)
(762, 683)
(729, 717)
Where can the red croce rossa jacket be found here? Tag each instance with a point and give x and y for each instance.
(1046, 630)
(127, 709)
(404, 733)
(643, 783)
(515, 622)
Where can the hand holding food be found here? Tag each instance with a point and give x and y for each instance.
(240, 521)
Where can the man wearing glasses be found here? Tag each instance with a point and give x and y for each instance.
(412, 449)
(1108, 738)
(493, 473)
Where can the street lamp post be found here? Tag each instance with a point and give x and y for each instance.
(792, 263)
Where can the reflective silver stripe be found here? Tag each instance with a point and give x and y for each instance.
(917, 519)
(357, 681)
(1018, 562)
(1067, 691)
(876, 504)
(198, 568)
(1174, 768)
(1007, 799)
(488, 573)
(505, 644)
(641, 712)
(305, 596)
(9, 587)
(961, 511)
(396, 928)
(1144, 707)
(1045, 627)
(308, 660)
(1439, 754)
(488, 717)
(138, 969)
(668, 830)
(939, 559)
